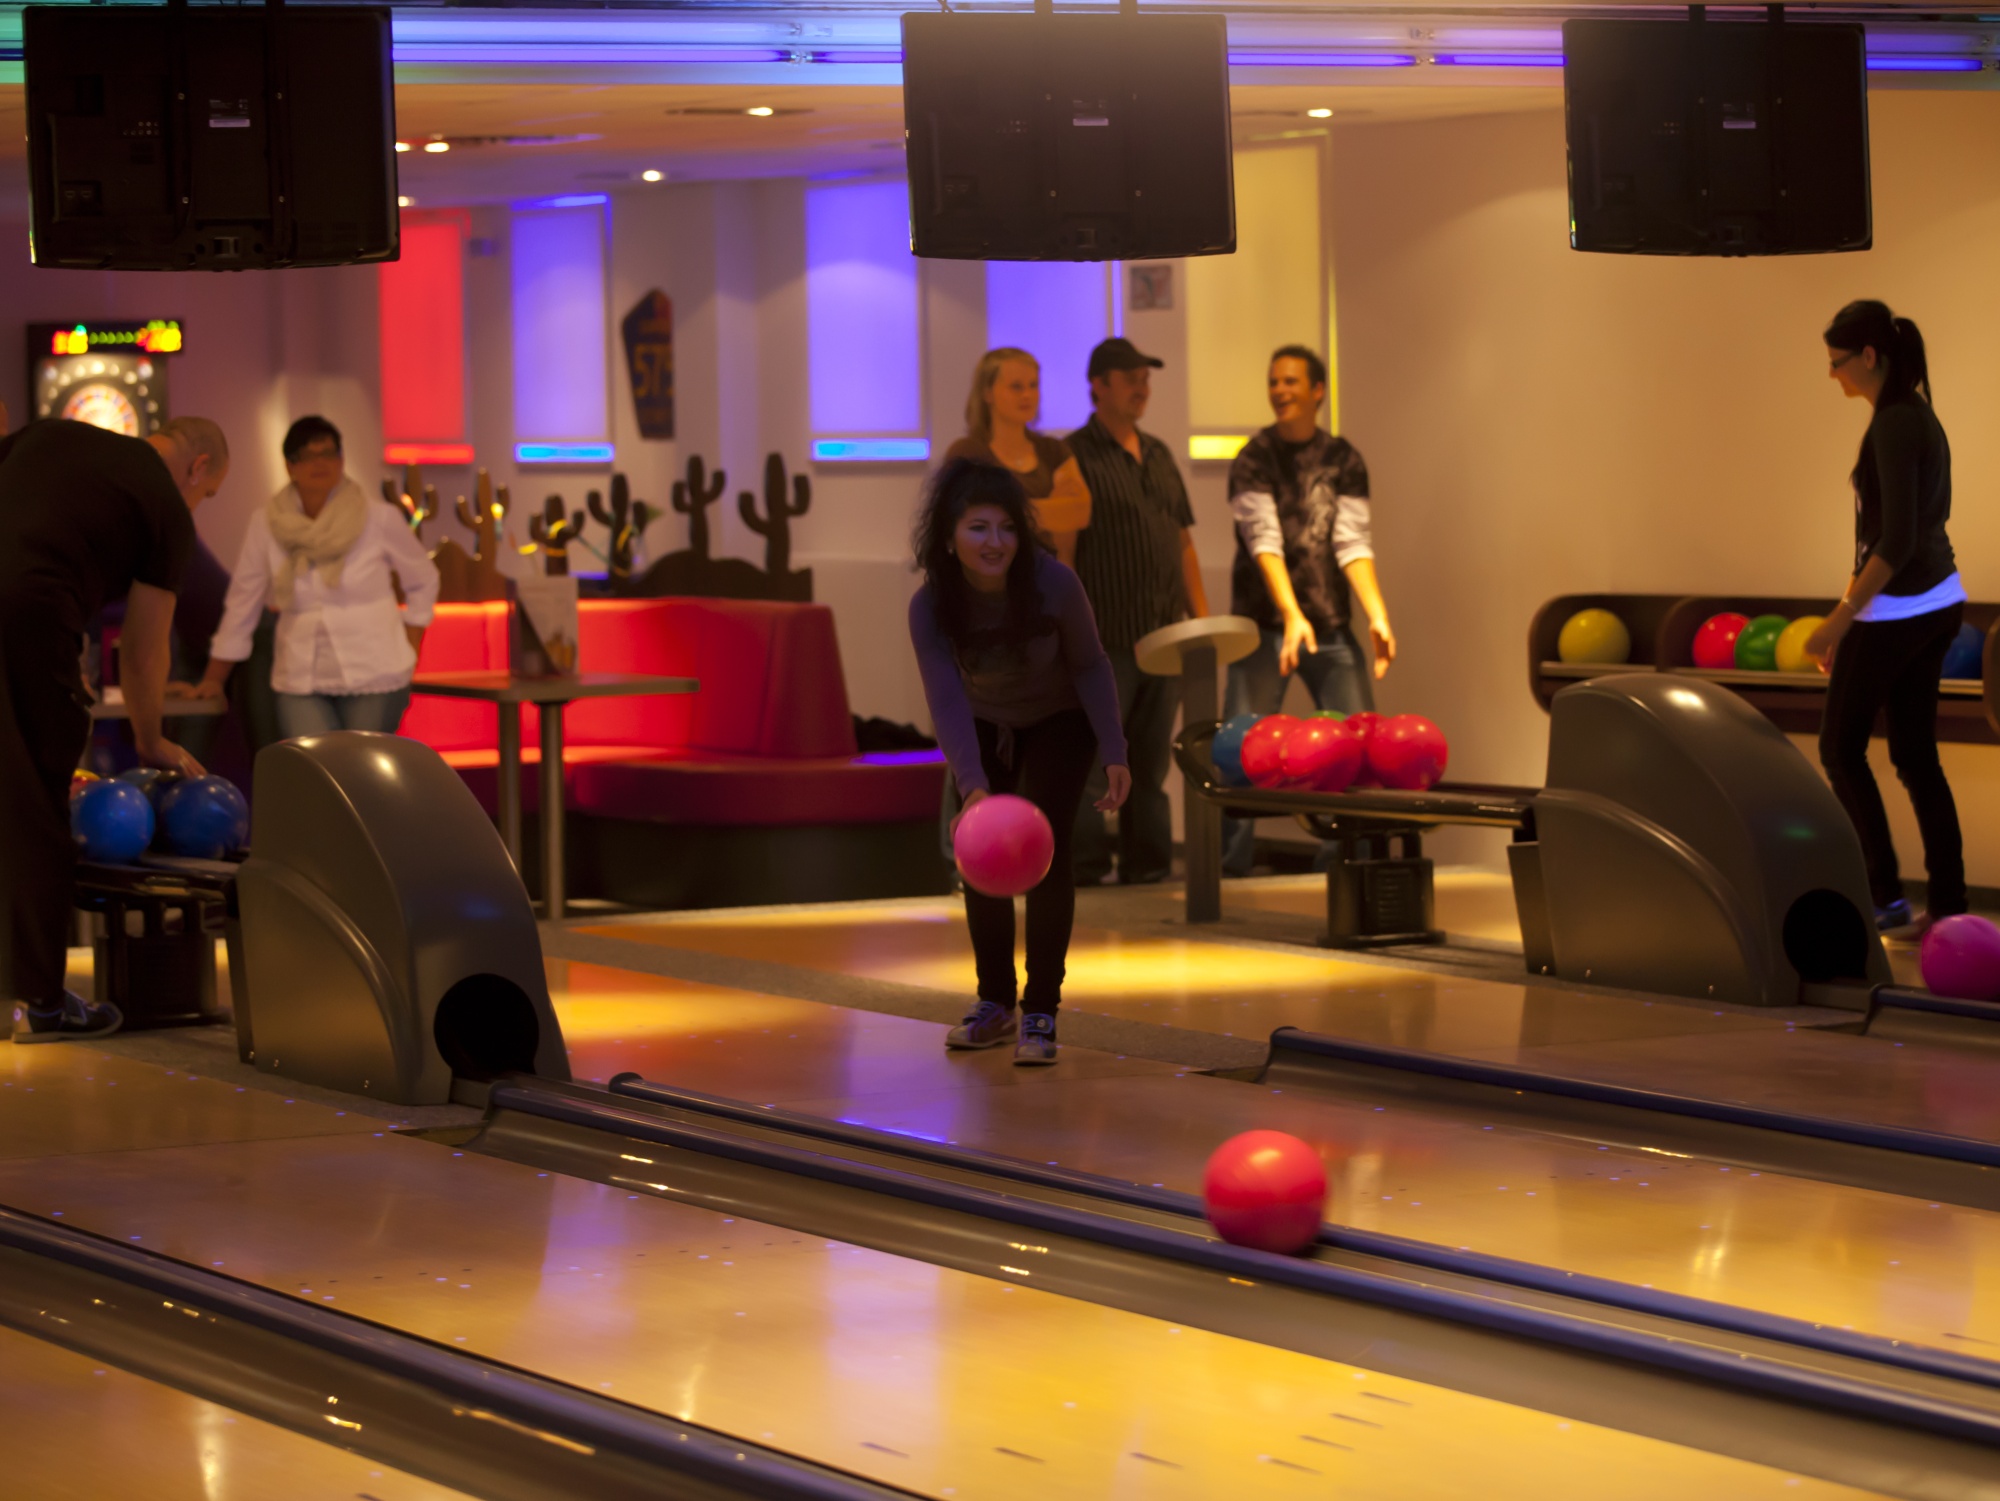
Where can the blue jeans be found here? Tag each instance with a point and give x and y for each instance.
(1146, 706)
(1337, 676)
(302, 714)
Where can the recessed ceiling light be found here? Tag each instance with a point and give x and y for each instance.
(436, 146)
(406, 203)
(651, 175)
(760, 110)
(402, 145)
(1319, 114)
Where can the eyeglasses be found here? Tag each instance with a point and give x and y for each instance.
(317, 451)
(1836, 364)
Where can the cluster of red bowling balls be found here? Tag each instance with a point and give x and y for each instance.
(1329, 752)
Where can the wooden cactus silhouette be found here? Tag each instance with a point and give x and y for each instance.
(775, 525)
(554, 530)
(415, 511)
(627, 520)
(692, 497)
(464, 577)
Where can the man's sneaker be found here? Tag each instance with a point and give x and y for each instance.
(1038, 1039)
(988, 1025)
(1896, 915)
(73, 1020)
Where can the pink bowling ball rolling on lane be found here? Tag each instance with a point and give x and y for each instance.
(1003, 845)
(1265, 1190)
(1961, 958)
(1408, 753)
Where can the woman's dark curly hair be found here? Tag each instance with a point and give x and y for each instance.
(955, 489)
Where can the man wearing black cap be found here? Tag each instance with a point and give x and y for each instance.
(1138, 565)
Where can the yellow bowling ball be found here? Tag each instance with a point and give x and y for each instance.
(1594, 636)
(1792, 644)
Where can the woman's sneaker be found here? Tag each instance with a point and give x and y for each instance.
(1038, 1039)
(988, 1025)
(74, 1019)
(1896, 915)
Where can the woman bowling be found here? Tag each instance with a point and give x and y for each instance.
(1000, 413)
(1023, 700)
(1884, 643)
(321, 554)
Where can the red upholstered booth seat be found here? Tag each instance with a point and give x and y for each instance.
(767, 740)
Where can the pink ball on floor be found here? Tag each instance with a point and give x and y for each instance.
(1003, 845)
(1961, 958)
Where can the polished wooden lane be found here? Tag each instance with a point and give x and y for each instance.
(944, 1382)
(71, 1097)
(79, 1429)
(1879, 1262)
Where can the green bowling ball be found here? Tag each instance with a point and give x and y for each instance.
(1757, 647)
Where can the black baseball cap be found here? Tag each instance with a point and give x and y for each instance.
(1119, 354)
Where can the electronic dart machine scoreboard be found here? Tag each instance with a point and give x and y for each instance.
(110, 374)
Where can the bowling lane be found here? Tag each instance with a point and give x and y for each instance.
(82, 1430)
(938, 1381)
(1878, 1262)
(73, 1098)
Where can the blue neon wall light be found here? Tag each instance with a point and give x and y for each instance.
(564, 453)
(1321, 60)
(561, 358)
(1056, 310)
(871, 450)
(863, 330)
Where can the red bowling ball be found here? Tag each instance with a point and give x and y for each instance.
(1408, 753)
(1364, 725)
(1715, 642)
(1264, 749)
(1003, 845)
(1322, 755)
(1266, 1190)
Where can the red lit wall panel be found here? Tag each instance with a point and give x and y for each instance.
(423, 331)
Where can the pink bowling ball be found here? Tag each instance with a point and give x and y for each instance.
(1961, 958)
(1003, 845)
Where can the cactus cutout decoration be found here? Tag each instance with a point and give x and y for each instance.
(554, 530)
(775, 526)
(692, 498)
(627, 521)
(469, 577)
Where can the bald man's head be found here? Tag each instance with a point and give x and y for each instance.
(197, 455)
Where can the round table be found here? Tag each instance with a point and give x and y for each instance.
(1192, 650)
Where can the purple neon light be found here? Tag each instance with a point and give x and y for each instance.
(899, 758)
(1903, 63)
(1321, 60)
(1498, 59)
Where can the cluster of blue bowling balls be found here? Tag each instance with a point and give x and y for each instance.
(118, 819)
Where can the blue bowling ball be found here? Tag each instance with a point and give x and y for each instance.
(204, 819)
(152, 781)
(1226, 750)
(112, 822)
(1966, 656)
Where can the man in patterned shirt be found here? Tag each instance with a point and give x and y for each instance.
(1138, 566)
(1304, 556)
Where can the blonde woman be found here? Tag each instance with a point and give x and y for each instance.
(321, 554)
(1006, 399)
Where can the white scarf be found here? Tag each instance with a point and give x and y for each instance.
(320, 543)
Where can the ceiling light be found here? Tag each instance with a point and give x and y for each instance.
(760, 110)
(651, 175)
(437, 146)
(406, 202)
(1319, 114)
(402, 145)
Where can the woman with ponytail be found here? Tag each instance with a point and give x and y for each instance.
(1884, 643)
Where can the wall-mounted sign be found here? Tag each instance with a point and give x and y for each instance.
(154, 336)
(107, 374)
(649, 361)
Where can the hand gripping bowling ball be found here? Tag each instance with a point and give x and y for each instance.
(1715, 642)
(1408, 753)
(1003, 845)
(1966, 656)
(1757, 644)
(1594, 636)
(1266, 1190)
(152, 781)
(1961, 958)
(1226, 750)
(1264, 747)
(1791, 648)
(1321, 755)
(111, 822)
(203, 819)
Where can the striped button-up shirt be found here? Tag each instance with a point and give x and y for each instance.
(1129, 557)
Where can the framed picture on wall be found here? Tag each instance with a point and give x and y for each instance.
(1152, 288)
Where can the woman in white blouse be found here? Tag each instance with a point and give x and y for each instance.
(321, 554)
